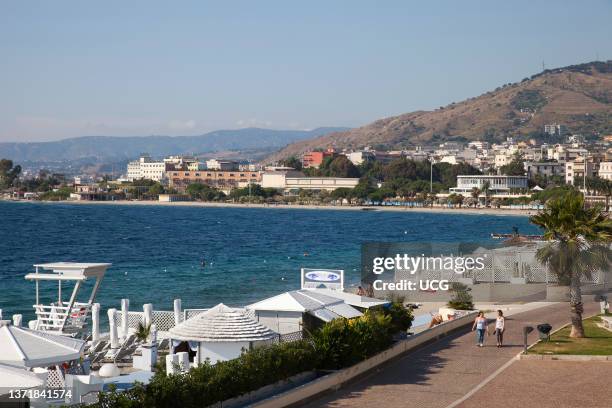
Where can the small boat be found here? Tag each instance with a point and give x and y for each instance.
(527, 237)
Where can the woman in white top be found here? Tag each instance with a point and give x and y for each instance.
(500, 327)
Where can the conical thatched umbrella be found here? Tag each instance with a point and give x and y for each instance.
(221, 333)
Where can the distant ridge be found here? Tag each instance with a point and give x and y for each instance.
(579, 96)
(108, 148)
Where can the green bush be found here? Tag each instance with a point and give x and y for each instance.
(401, 317)
(342, 343)
(207, 384)
(462, 299)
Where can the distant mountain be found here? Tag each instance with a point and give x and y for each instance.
(579, 96)
(110, 148)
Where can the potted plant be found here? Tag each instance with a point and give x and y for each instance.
(142, 332)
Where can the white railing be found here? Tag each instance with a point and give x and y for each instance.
(52, 317)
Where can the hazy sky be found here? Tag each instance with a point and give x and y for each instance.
(73, 68)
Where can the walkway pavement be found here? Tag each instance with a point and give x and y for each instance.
(445, 371)
(544, 384)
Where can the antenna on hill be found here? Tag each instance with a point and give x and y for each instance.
(543, 66)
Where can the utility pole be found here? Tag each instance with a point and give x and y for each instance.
(584, 176)
(431, 176)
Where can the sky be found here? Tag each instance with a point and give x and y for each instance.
(117, 68)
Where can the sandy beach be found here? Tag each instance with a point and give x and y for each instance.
(441, 210)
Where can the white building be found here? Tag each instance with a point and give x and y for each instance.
(555, 129)
(146, 168)
(497, 184)
(360, 157)
(285, 313)
(478, 145)
(575, 170)
(225, 165)
(293, 180)
(605, 170)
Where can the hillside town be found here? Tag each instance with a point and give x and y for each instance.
(452, 173)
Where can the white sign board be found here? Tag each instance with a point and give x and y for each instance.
(322, 279)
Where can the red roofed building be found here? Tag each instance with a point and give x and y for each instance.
(314, 159)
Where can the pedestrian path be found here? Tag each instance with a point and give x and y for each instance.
(443, 372)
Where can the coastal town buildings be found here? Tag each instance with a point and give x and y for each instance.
(544, 169)
(360, 157)
(293, 181)
(496, 184)
(146, 168)
(575, 170)
(224, 180)
(555, 129)
(223, 165)
(605, 170)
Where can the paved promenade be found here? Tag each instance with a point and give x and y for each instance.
(443, 372)
(545, 384)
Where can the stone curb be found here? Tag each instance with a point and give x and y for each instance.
(563, 357)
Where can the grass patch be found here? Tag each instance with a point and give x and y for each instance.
(598, 341)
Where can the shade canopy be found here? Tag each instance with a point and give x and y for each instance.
(308, 301)
(22, 347)
(221, 324)
(18, 378)
(68, 271)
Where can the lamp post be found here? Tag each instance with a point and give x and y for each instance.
(431, 175)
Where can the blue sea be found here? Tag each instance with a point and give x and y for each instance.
(250, 253)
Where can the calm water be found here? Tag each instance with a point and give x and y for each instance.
(156, 251)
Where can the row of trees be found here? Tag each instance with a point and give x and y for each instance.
(8, 173)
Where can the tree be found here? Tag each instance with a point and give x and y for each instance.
(155, 190)
(341, 166)
(8, 173)
(486, 188)
(476, 194)
(578, 245)
(292, 162)
(515, 167)
(199, 191)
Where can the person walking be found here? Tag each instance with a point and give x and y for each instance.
(500, 324)
(480, 325)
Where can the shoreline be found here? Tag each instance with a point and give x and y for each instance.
(436, 210)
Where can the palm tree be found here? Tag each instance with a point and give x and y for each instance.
(486, 187)
(578, 245)
(476, 194)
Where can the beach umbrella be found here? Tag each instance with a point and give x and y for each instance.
(18, 378)
(21, 347)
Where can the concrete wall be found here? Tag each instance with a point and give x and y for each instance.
(280, 322)
(273, 180)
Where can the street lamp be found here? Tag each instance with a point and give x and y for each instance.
(431, 175)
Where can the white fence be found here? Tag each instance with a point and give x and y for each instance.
(164, 320)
